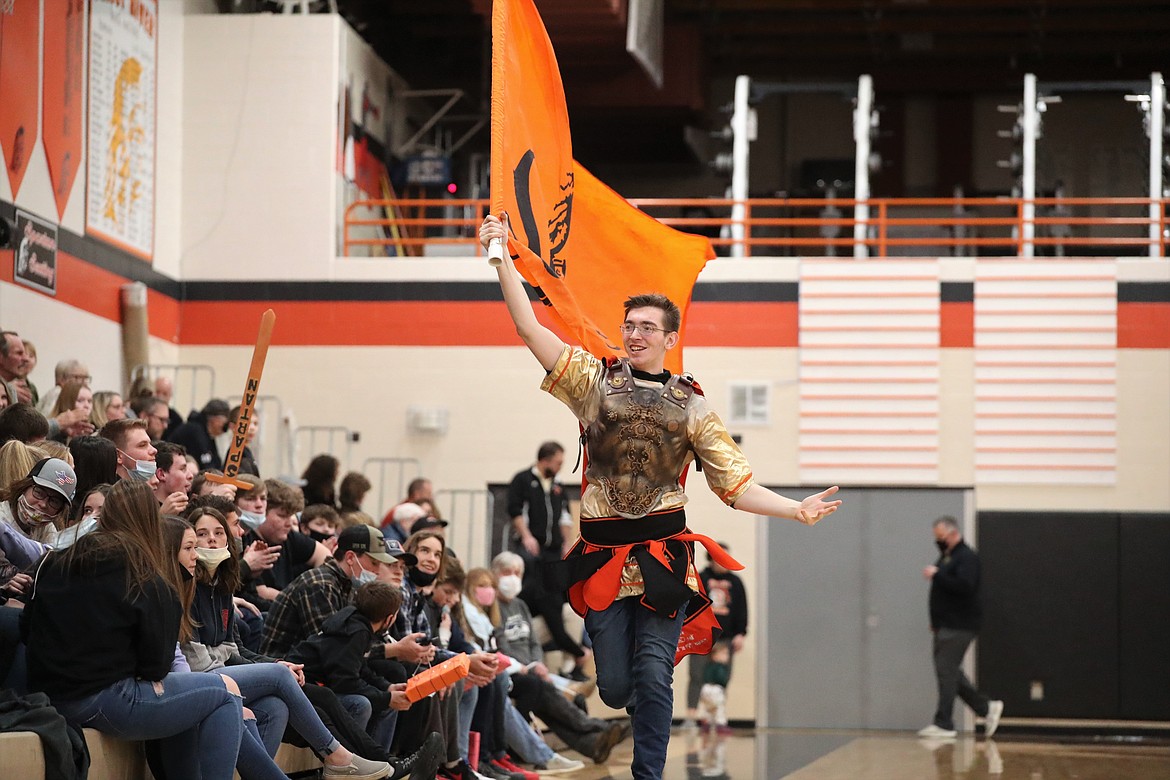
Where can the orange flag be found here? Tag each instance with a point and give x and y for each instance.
(577, 242)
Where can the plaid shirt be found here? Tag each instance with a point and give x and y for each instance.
(412, 619)
(302, 608)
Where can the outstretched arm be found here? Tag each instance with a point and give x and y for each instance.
(761, 501)
(545, 345)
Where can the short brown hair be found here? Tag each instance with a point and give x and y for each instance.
(257, 488)
(117, 430)
(377, 601)
(314, 511)
(284, 496)
(672, 317)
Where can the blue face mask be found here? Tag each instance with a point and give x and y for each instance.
(251, 520)
(70, 535)
(364, 578)
(143, 470)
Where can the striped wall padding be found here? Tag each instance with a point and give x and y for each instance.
(1045, 372)
(869, 372)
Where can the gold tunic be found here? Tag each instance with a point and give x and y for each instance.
(640, 441)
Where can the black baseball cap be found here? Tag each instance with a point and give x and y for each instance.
(365, 539)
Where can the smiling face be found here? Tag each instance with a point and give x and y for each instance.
(430, 555)
(187, 557)
(647, 351)
(209, 532)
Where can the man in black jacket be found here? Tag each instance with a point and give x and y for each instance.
(539, 510)
(955, 618)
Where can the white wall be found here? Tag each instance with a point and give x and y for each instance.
(61, 332)
(259, 112)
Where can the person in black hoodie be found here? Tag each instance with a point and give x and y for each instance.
(108, 588)
(955, 618)
(729, 603)
(199, 432)
(336, 658)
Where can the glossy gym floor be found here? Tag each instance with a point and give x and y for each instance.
(842, 755)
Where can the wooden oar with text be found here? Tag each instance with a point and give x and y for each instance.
(231, 463)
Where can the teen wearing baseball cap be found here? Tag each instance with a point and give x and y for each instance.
(30, 507)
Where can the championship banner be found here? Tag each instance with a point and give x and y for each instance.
(577, 242)
(123, 46)
(63, 94)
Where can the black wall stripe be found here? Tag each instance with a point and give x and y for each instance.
(1143, 292)
(957, 292)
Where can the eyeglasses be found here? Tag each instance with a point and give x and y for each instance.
(644, 328)
(83, 378)
(50, 498)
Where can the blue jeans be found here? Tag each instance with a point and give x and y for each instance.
(379, 726)
(467, 704)
(192, 704)
(634, 649)
(272, 689)
(523, 739)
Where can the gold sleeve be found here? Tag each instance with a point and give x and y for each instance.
(728, 472)
(573, 381)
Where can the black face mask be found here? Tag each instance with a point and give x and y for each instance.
(941, 545)
(548, 473)
(420, 578)
(319, 536)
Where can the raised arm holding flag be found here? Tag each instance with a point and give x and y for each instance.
(618, 283)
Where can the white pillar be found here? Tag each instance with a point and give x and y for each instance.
(740, 128)
(861, 123)
(1028, 182)
(1157, 149)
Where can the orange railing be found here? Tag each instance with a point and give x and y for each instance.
(814, 226)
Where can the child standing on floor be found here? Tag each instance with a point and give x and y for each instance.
(713, 696)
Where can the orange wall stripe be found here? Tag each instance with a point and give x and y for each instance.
(748, 324)
(956, 327)
(1143, 325)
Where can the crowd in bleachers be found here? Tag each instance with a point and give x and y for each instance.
(211, 617)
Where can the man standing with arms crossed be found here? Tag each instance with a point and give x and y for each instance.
(632, 574)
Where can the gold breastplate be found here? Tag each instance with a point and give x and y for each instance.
(638, 446)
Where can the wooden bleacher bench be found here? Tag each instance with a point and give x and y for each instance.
(115, 759)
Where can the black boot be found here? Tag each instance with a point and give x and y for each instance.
(422, 764)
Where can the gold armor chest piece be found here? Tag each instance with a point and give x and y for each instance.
(638, 445)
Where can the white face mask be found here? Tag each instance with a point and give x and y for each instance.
(510, 585)
(251, 520)
(30, 516)
(69, 536)
(212, 557)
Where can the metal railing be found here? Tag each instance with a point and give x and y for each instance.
(896, 227)
(469, 513)
(271, 445)
(312, 440)
(376, 470)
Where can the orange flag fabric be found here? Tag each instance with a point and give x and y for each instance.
(577, 242)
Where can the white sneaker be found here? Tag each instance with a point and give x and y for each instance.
(934, 732)
(559, 765)
(994, 713)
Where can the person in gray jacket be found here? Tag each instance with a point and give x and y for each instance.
(535, 690)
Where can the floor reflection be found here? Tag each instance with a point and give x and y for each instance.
(851, 755)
